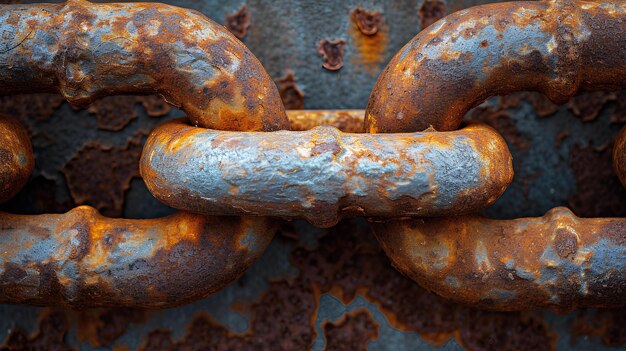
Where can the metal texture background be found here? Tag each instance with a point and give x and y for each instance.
(320, 288)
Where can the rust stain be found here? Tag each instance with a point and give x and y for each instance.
(239, 22)
(114, 113)
(431, 11)
(102, 327)
(608, 324)
(284, 318)
(588, 106)
(368, 22)
(52, 328)
(332, 53)
(291, 95)
(370, 48)
(599, 192)
(352, 332)
(99, 176)
(25, 107)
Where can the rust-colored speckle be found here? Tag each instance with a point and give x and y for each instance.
(565, 243)
(332, 53)
(50, 334)
(541, 104)
(101, 327)
(114, 113)
(588, 106)
(506, 331)
(99, 175)
(352, 332)
(292, 96)
(283, 319)
(606, 324)
(155, 106)
(564, 134)
(41, 196)
(239, 22)
(349, 262)
(25, 107)
(431, 12)
(368, 22)
(619, 112)
(599, 192)
(500, 118)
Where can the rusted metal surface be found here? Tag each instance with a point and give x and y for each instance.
(323, 175)
(558, 260)
(85, 51)
(266, 307)
(619, 156)
(556, 47)
(347, 121)
(81, 258)
(16, 157)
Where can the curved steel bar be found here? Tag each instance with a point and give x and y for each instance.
(83, 259)
(323, 174)
(85, 51)
(619, 156)
(556, 47)
(558, 260)
(347, 121)
(16, 157)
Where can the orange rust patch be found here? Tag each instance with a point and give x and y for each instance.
(370, 48)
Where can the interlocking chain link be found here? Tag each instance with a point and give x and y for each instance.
(85, 51)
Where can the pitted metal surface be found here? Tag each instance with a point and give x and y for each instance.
(557, 47)
(83, 259)
(323, 174)
(282, 291)
(16, 157)
(85, 51)
(619, 156)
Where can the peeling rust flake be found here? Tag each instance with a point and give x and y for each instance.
(86, 51)
(368, 22)
(332, 53)
(239, 22)
(291, 95)
(83, 259)
(323, 174)
(558, 260)
(431, 12)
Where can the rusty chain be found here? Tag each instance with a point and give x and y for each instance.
(556, 47)
(85, 51)
(230, 160)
